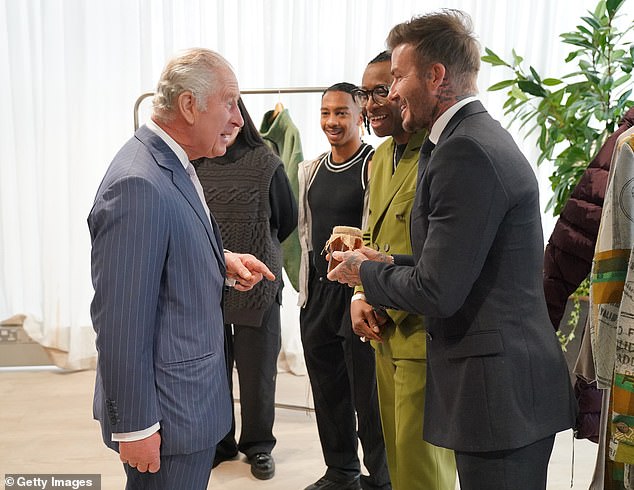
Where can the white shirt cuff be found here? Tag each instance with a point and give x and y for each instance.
(357, 296)
(136, 435)
(230, 282)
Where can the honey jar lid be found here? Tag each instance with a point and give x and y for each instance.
(347, 230)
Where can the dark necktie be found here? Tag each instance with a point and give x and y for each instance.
(427, 148)
(425, 153)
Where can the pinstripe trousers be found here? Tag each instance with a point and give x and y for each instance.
(178, 472)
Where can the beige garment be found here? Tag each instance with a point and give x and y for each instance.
(584, 366)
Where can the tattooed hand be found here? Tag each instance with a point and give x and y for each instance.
(375, 255)
(348, 271)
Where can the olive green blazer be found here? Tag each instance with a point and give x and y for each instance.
(390, 204)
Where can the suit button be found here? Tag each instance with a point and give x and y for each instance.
(386, 247)
(428, 335)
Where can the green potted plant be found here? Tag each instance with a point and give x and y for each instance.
(573, 114)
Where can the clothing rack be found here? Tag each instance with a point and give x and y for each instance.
(286, 90)
(251, 91)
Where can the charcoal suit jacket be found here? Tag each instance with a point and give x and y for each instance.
(158, 272)
(496, 376)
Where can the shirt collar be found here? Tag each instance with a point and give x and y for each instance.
(169, 141)
(441, 123)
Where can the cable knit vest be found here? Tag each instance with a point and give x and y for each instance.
(236, 188)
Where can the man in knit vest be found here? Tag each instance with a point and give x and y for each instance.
(251, 198)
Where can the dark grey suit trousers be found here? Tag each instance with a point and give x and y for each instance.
(524, 468)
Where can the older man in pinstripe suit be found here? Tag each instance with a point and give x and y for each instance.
(158, 270)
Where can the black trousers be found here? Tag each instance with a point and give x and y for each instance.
(525, 468)
(342, 376)
(255, 351)
(177, 472)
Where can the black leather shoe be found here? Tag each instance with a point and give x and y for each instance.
(326, 484)
(262, 466)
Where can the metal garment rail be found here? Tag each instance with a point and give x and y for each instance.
(250, 91)
(253, 91)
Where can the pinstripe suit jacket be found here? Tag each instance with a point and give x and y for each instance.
(158, 273)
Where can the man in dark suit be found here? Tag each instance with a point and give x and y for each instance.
(497, 384)
(158, 269)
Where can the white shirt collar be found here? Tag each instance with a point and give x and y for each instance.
(169, 141)
(440, 124)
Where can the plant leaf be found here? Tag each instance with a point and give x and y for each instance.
(613, 6)
(572, 55)
(535, 75)
(571, 121)
(592, 22)
(517, 60)
(623, 98)
(493, 58)
(531, 88)
(501, 85)
(494, 61)
(551, 81)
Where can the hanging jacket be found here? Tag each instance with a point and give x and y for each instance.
(568, 260)
(282, 136)
(612, 302)
(568, 255)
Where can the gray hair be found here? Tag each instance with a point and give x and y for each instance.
(194, 70)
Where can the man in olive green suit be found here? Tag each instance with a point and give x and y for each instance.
(400, 343)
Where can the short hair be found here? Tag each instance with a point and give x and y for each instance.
(346, 87)
(381, 57)
(445, 37)
(193, 70)
(249, 134)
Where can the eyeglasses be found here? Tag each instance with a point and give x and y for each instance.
(379, 95)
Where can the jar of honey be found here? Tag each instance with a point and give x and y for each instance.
(343, 238)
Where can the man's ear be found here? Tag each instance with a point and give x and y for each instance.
(436, 75)
(187, 106)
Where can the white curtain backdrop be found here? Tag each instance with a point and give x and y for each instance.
(72, 70)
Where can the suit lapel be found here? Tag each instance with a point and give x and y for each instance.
(474, 107)
(470, 109)
(393, 182)
(166, 158)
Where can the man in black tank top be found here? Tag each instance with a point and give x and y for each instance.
(341, 367)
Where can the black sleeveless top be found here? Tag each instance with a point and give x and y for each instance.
(335, 197)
